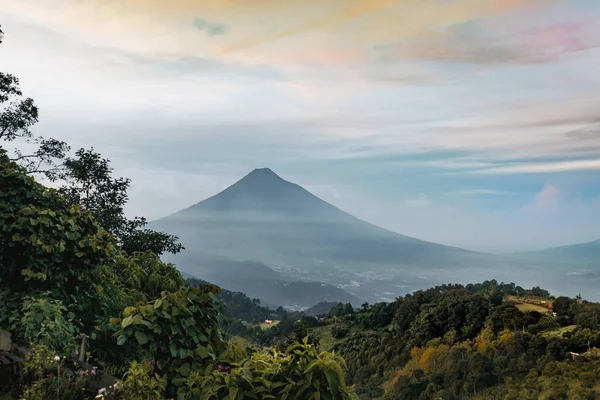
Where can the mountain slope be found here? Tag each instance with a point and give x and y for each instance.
(263, 218)
(576, 253)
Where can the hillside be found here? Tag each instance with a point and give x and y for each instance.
(255, 279)
(265, 219)
(462, 342)
(582, 253)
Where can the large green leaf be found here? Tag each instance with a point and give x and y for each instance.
(141, 337)
(202, 351)
(184, 370)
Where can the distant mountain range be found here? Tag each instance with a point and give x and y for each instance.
(581, 253)
(274, 240)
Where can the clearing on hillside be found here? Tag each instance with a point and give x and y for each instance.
(558, 332)
(265, 325)
(526, 307)
(527, 304)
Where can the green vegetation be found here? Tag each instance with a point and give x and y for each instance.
(526, 307)
(460, 342)
(76, 274)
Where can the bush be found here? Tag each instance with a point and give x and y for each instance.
(340, 331)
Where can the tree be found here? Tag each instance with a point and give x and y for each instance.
(89, 183)
(178, 331)
(348, 309)
(496, 298)
(17, 116)
(564, 306)
(46, 244)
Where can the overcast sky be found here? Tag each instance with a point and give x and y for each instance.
(466, 122)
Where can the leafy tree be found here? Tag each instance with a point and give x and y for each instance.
(564, 307)
(179, 331)
(17, 116)
(90, 184)
(47, 322)
(46, 244)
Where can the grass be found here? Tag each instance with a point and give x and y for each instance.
(326, 339)
(526, 307)
(265, 326)
(559, 331)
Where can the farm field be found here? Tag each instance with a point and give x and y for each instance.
(526, 307)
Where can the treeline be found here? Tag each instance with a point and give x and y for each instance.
(455, 341)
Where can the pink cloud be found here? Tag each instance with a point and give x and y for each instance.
(546, 200)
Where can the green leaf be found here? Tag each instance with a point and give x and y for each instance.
(141, 338)
(184, 369)
(114, 321)
(333, 380)
(233, 393)
(202, 351)
(126, 322)
(121, 340)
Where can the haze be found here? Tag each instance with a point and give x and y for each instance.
(468, 123)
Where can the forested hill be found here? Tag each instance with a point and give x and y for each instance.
(486, 341)
(238, 306)
(480, 341)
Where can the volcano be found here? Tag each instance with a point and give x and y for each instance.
(266, 228)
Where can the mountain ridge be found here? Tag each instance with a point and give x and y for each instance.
(579, 252)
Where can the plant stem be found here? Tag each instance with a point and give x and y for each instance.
(58, 380)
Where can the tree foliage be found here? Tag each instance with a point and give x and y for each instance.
(90, 184)
(47, 245)
(299, 372)
(456, 342)
(17, 116)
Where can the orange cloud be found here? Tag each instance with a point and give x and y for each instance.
(356, 10)
(311, 27)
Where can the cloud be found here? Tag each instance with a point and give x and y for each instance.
(543, 167)
(549, 199)
(482, 192)
(211, 28)
(507, 39)
(356, 9)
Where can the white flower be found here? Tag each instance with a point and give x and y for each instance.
(56, 358)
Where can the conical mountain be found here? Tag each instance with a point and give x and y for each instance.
(265, 219)
(260, 193)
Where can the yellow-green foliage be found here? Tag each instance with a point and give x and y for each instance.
(299, 373)
(141, 382)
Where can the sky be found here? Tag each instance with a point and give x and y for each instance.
(473, 123)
